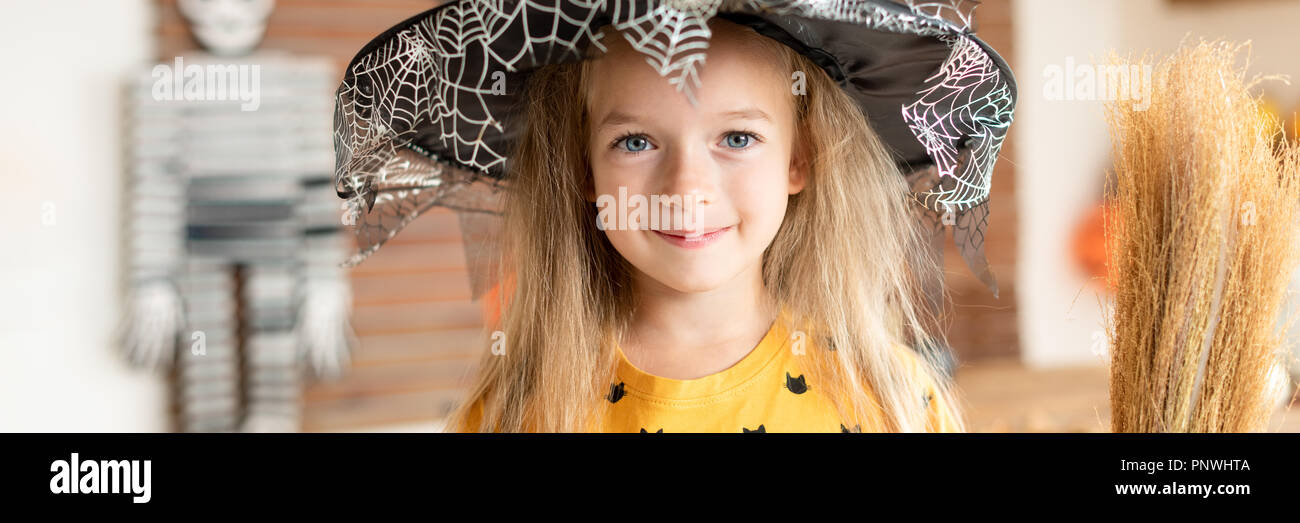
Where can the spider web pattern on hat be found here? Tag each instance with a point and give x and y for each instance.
(421, 119)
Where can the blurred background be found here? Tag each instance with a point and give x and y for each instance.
(79, 135)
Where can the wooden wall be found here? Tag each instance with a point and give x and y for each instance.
(418, 329)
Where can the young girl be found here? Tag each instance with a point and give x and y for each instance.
(792, 305)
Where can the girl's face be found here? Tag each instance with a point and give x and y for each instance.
(732, 153)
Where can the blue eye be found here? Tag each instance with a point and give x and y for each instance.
(636, 143)
(738, 140)
(633, 143)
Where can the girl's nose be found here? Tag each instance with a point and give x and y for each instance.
(689, 172)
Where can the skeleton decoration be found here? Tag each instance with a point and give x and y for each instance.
(425, 113)
(234, 233)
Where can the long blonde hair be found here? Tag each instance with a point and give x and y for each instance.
(847, 264)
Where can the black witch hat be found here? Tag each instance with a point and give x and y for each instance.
(426, 114)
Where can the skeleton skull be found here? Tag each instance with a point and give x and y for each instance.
(227, 27)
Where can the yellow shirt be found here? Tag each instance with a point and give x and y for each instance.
(766, 391)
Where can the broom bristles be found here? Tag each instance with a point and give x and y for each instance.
(1204, 193)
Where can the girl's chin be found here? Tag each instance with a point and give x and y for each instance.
(693, 287)
(688, 280)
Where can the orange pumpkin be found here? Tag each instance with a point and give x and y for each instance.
(1090, 248)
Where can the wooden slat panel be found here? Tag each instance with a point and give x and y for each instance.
(368, 411)
(406, 257)
(380, 380)
(416, 316)
(405, 287)
(459, 344)
(323, 20)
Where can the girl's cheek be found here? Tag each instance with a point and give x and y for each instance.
(760, 195)
(611, 179)
(603, 174)
(637, 177)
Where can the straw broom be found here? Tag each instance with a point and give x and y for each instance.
(1202, 248)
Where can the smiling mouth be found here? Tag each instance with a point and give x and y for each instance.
(692, 240)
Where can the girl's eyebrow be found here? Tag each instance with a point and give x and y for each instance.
(615, 118)
(746, 113)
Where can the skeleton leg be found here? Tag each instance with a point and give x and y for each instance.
(208, 370)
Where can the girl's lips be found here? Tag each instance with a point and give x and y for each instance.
(693, 242)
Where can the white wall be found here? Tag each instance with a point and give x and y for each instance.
(1272, 27)
(1061, 151)
(1063, 147)
(60, 293)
